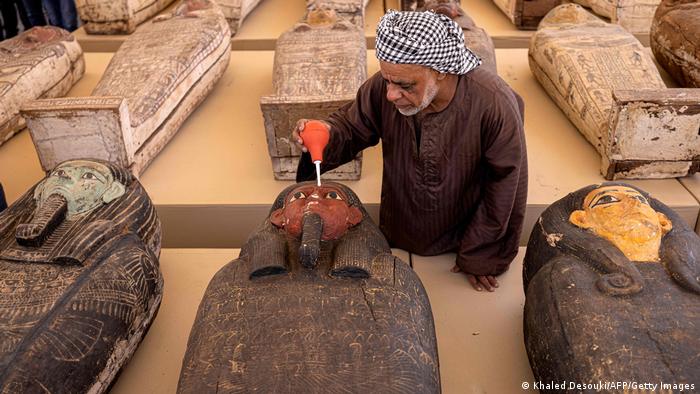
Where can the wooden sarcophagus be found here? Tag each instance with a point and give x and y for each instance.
(634, 15)
(475, 38)
(235, 11)
(117, 16)
(612, 286)
(609, 87)
(352, 10)
(319, 65)
(149, 89)
(526, 14)
(675, 40)
(41, 62)
(315, 303)
(80, 282)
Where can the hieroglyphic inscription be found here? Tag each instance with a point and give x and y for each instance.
(634, 15)
(352, 10)
(235, 11)
(117, 16)
(41, 62)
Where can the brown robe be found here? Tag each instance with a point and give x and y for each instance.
(463, 189)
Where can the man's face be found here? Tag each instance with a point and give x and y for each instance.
(83, 184)
(410, 87)
(624, 217)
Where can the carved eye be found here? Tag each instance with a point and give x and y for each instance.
(334, 196)
(297, 196)
(61, 174)
(607, 199)
(642, 199)
(89, 175)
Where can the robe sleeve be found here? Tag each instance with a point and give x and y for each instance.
(354, 127)
(491, 238)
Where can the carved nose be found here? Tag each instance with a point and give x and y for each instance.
(49, 215)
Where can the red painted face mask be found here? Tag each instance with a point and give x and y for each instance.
(327, 201)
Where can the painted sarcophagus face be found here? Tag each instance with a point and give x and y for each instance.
(612, 286)
(526, 14)
(607, 84)
(149, 89)
(633, 15)
(79, 279)
(315, 303)
(319, 65)
(675, 40)
(475, 38)
(117, 16)
(41, 62)
(235, 11)
(352, 10)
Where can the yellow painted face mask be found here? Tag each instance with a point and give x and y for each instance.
(624, 217)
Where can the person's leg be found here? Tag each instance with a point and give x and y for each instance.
(31, 12)
(9, 18)
(53, 12)
(69, 16)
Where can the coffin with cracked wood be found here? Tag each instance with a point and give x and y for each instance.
(117, 16)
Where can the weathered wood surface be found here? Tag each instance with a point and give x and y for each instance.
(526, 14)
(41, 62)
(117, 16)
(355, 319)
(584, 63)
(79, 279)
(592, 315)
(148, 90)
(634, 15)
(675, 40)
(319, 65)
(475, 38)
(352, 10)
(236, 11)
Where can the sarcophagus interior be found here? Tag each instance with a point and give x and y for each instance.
(117, 16)
(475, 38)
(607, 84)
(526, 14)
(319, 65)
(236, 11)
(675, 40)
(41, 62)
(79, 279)
(634, 15)
(352, 10)
(612, 289)
(148, 90)
(315, 303)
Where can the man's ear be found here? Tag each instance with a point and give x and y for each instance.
(277, 218)
(115, 190)
(354, 216)
(665, 223)
(578, 218)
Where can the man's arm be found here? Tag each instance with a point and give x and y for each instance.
(353, 127)
(490, 240)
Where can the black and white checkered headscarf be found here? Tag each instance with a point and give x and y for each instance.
(424, 38)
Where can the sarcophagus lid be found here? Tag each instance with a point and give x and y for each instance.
(609, 87)
(633, 15)
(612, 291)
(526, 14)
(352, 10)
(117, 16)
(79, 279)
(42, 62)
(675, 40)
(236, 11)
(319, 65)
(149, 88)
(315, 303)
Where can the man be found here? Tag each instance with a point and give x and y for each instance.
(455, 168)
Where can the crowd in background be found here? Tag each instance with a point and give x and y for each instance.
(32, 13)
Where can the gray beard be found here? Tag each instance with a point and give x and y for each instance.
(430, 93)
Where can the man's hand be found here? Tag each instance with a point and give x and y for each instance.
(479, 282)
(296, 138)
